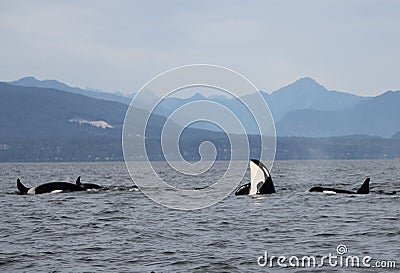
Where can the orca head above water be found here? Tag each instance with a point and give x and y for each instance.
(260, 180)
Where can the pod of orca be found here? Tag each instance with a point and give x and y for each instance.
(260, 183)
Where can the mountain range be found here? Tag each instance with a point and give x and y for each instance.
(306, 93)
(49, 120)
(377, 116)
(54, 84)
(307, 109)
(304, 108)
(45, 124)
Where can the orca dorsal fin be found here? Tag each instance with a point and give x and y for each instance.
(21, 187)
(78, 181)
(365, 187)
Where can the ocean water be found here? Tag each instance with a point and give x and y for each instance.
(119, 229)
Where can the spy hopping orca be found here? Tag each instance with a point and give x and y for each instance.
(260, 180)
(87, 186)
(364, 189)
(49, 187)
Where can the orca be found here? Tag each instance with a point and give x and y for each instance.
(364, 189)
(49, 187)
(87, 186)
(260, 180)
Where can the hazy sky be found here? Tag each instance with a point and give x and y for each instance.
(351, 46)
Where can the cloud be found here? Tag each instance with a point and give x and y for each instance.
(346, 45)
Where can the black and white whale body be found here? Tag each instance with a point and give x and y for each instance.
(49, 187)
(87, 186)
(363, 190)
(260, 180)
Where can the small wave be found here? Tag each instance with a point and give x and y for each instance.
(325, 235)
(120, 188)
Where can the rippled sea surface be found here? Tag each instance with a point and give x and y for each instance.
(120, 230)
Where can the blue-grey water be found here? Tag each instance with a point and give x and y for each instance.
(120, 230)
